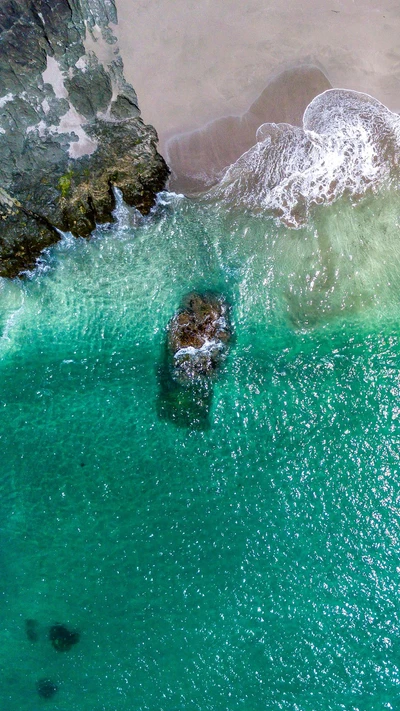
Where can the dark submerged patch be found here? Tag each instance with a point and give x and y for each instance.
(62, 638)
(46, 688)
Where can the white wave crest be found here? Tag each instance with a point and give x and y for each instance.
(349, 142)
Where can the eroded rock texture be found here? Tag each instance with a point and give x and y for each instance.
(70, 127)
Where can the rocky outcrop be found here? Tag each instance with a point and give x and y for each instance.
(197, 340)
(70, 126)
(198, 335)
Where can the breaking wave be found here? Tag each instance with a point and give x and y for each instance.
(349, 142)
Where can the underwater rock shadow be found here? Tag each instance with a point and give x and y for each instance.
(186, 405)
(46, 688)
(32, 629)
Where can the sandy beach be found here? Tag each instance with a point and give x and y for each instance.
(192, 62)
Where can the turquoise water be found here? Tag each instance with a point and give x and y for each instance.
(252, 564)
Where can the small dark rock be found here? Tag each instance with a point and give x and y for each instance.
(198, 335)
(46, 688)
(196, 343)
(31, 629)
(62, 638)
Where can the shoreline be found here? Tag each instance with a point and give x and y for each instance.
(198, 158)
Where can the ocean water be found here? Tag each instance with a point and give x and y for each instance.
(251, 562)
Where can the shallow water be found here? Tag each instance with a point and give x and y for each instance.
(251, 564)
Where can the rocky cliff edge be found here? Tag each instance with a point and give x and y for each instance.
(70, 127)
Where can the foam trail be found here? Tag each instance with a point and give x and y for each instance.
(349, 142)
(13, 306)
(125, 217)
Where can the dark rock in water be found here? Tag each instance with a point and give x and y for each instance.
(196, 343)
(70, 127)
(46, 688)
(198, 335)
(62, 638)
(31, 629)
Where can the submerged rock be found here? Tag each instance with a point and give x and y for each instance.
(70, 127)
(62, 638)
(31, 629)
(196, 343)
(185, 404)
(46, 688)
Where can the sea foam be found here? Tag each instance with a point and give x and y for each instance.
(349, 142)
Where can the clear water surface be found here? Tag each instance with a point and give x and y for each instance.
(252, 564)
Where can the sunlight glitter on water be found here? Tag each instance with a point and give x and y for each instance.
(251, 564)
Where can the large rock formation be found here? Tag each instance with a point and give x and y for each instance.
(70, 127)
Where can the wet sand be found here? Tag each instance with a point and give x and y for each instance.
(195, 61)
(197, 158)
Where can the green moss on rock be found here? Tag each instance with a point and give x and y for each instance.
(65, 184)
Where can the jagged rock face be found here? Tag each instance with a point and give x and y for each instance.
(70, 127)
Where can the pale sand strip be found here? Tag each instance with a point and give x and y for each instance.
(192, 61)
